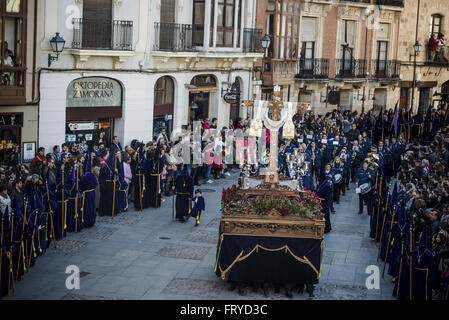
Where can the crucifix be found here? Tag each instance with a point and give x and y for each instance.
(275, 105)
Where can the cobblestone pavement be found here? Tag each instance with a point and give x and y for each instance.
(144, 255)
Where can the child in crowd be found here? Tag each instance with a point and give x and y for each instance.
(198, 206)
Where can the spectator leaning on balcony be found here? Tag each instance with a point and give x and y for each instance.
(432, 46)
(441, 46)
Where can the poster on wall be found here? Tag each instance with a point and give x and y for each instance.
(70, 138)
(29, 151)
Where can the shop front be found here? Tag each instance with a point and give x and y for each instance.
(202, 87)
(93, 104)
(10, 135)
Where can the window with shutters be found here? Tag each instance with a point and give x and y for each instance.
(308, 38)
(97, 24)
(435, 24)
(226, 23)
(382, 54)
(12, 45)
(198, 22)
(347, 37)
(287, 30)
(168, 11)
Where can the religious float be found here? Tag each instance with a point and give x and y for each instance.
(271, 228)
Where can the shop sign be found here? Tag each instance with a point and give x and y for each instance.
(11, 120)
(231, 97)
(94, 92)
(82, 126)
(168, 117)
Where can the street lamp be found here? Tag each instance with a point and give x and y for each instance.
(417, 47)
(57, 45)
(265, 42)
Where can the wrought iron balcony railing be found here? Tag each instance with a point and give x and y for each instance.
(387, 69)
(312, 69)
(360, 1)
(440, 56)
(102, 34)
(173, 37)
(395, 3)
(350, 68)
(252, 40)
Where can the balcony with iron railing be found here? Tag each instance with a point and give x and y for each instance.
(350, 68)
(438, 57)
(359, 1)
(312, 69)
(385, 69)
(92, 34)
(252, 40)
(393, 3)
(175, 37)
(12, 85)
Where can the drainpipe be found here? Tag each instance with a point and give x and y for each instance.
(144, 61)
(364, 67)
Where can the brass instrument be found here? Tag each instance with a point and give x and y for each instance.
(372, 161)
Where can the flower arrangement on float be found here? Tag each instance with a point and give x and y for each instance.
(309, 207)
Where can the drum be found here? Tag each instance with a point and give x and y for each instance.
(365, 188)
(338, 178)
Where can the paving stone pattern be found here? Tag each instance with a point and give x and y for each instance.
(145, 255)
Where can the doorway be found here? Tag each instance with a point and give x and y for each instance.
(97, 24)
(425, 99)
(198, 105)
(10, 137)
(164, 95)
(234, 112)
(404, 98)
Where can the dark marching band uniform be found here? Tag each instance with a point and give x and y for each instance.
(338, 187)
(184, 194)
(365, 176)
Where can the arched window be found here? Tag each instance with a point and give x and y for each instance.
(207, 80)
(164, 91)
(435, 24)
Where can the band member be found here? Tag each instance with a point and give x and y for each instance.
(292, 166)
(328, 176)
(315, 156)
(365, 175)
(306, 177)
(337, 172)
(346, 160)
